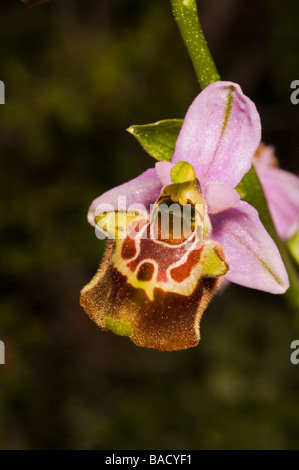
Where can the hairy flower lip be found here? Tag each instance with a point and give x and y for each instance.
(166, 321)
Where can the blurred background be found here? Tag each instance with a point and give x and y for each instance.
(77, 74)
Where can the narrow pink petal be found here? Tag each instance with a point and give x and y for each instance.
(281, 190)
(220, 134)
(144, 190)
(220, 197)
(163, 171)
(253, 258)
(265, 158)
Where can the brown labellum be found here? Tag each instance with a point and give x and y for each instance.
(168, 322)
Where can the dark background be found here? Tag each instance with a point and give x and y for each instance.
(77, 74)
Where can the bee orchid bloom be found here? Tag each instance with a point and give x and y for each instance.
(153, 285)
(281, 190)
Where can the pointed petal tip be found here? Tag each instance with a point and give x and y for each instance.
(253, 258)
(281, 289)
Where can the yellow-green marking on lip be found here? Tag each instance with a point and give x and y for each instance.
(118, 327)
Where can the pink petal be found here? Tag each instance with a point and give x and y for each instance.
(281, 190)
(220, 134)
(163, 171)
(253, 258)
(144, 190)
(265, 158)
(220, 197)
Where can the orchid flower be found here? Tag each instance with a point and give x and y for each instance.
(281, 189)
(154, 286)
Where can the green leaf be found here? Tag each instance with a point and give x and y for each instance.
(158, 139)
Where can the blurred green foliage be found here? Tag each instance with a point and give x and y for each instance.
(77, 74)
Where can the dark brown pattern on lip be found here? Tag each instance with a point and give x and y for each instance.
(145, 272)
(128, 249)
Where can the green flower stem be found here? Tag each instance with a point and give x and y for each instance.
(186, 16)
